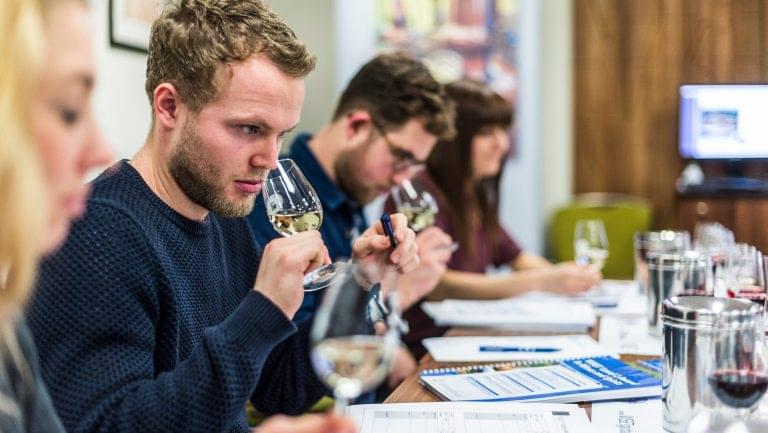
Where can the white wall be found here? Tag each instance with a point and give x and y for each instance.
(120, 104)
(538, 179)
(556, 104)
(314, 22)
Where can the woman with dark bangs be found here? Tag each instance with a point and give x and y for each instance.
(463, 176)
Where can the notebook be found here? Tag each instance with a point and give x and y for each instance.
(487, 349)
(514, 314)
(567, 381)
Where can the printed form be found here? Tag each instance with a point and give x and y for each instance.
(470, 418)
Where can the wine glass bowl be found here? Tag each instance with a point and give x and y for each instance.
(590, 243)
(737, 371)
(417, 204)
(293, 206)
(350, 353)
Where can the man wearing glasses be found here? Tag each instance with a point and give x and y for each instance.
(385, 124)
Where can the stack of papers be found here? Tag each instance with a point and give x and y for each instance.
(487, 349)
(514, 314)
(610, 297)
(469, 418)
(569, 381)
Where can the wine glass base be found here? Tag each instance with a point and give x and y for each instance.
(322, 277)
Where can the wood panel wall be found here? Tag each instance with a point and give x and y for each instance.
(630, 57)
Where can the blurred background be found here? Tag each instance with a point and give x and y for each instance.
(595, 85)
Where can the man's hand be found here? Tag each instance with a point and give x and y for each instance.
(283, 265)
(330, 423)
(568, 278)
(434, 252)
(403, 365)
(372, 250)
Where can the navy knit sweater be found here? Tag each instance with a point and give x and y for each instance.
(146, 321)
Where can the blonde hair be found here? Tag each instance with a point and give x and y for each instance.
(23, 214)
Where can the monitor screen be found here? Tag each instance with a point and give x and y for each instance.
(724, 121)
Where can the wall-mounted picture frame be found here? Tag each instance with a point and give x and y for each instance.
(130, 22)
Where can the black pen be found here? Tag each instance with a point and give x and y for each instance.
(386, 222)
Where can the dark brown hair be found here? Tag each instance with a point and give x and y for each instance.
(193, 39)
(450, 163)
(395, 88)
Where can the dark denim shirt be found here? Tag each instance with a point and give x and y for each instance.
(343, 218)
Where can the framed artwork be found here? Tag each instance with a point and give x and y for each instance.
(476, 39)
(130, 22)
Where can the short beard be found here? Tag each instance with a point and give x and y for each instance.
(200, 180)
(346, 167)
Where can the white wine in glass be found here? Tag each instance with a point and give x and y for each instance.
(350, 352)
(288, 224)
(352, 364)
(590, 243)
(293, 207)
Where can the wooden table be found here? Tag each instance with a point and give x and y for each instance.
(410, 391)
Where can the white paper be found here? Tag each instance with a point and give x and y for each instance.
(467, 349)
(610, 297)
(628, 335)
(628, 417)
(470, 418)
(514, 314)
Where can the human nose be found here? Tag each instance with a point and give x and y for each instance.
(96, 152)
(502, 139)
(267, 154)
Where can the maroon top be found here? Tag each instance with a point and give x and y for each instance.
(502, 250)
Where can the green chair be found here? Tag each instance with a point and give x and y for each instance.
(622, 216)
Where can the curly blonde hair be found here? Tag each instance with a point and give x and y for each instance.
(193, 39)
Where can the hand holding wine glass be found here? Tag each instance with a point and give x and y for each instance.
(294, 207)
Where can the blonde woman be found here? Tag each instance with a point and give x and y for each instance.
(48, 141)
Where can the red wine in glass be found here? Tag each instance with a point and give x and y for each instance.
(739, 389)
(753, 293)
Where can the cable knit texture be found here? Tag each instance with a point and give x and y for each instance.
(146, 321)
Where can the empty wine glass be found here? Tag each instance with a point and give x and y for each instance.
(590, 243)
(418, 205)
(737, 371)
(293, 206)
(354, 337)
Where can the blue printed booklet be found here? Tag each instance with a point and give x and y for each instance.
(567, 381)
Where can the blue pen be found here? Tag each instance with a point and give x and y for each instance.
(518, 349)
(386, 222)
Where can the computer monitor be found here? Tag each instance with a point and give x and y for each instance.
(724, 121)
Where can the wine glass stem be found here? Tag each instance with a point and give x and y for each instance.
(340, 404)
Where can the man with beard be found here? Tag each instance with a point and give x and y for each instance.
(153, 318)
(385, 124)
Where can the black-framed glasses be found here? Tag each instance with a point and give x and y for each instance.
(404, 160)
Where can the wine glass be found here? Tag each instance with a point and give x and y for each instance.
(590, 243)
(354, 338)
(737, 371)
(746, 274)
(293, 206)
(418, 205)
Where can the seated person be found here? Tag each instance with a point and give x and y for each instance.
(387, 120)
(153, 317)
(463, 176)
